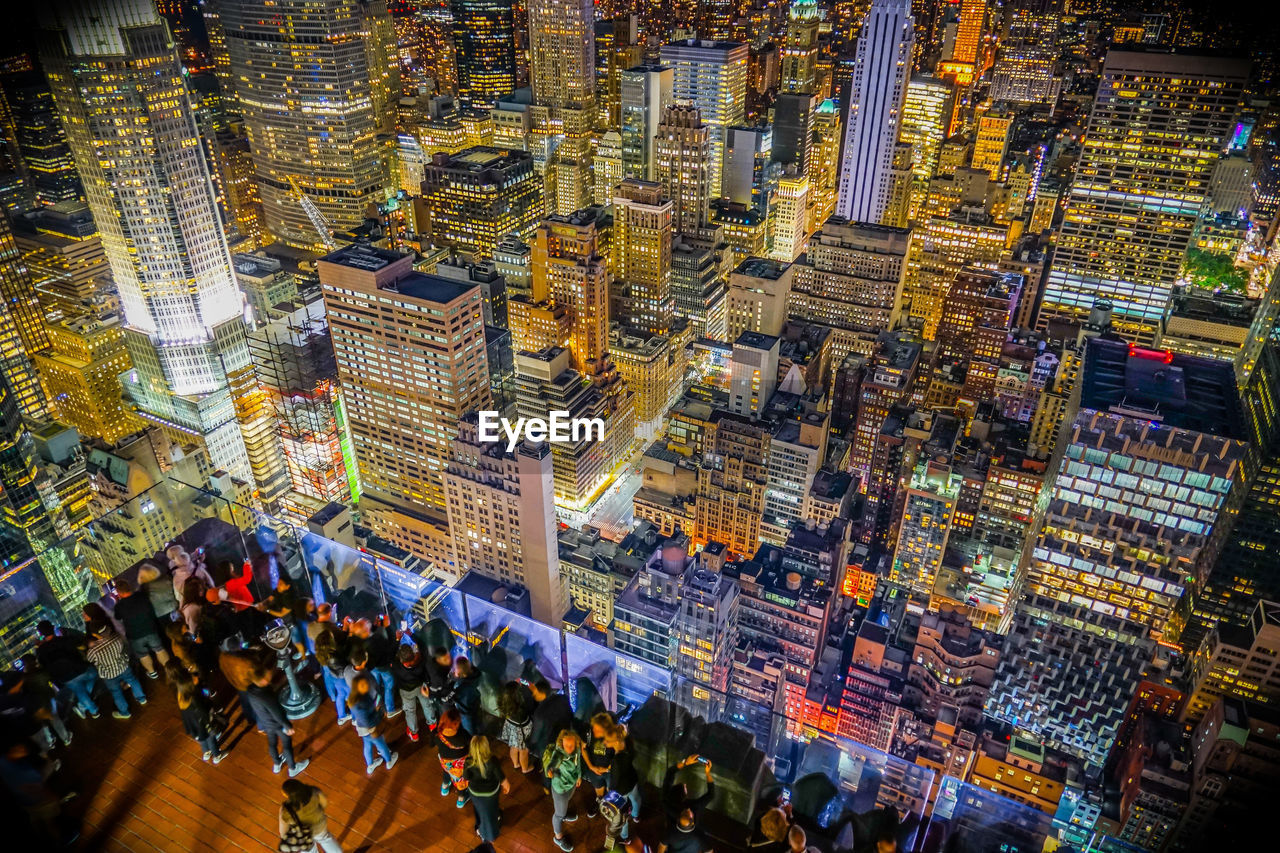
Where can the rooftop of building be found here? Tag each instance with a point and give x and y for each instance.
(1208, 306)
(362, 256)
(431, 288)
(766, 268)
(756, 340)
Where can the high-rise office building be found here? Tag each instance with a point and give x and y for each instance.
(22, 332)
(938, 251)
(1124, 543)
(570, 270)
(712, 76)
(800, 48)
(411, 361)
(929, 497)
(295, 363)
(562, 57)
(1155, 132)
(81, 371)
(607, 168)
(642, 237)
(112, 66)
(32, 520)
(484, 45)
(683, 151)
(1024, 63)
(926, 118)
(789, 216)
(851, 279)
(646, 93)
(48, 172)
(480, 195)
(583, 466)
(502, 517)
(315, 83)
(63, 254)
(882, 70)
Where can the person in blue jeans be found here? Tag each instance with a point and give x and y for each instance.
(61, 656)
(367, 715)
(333, 667)
(109, 656)
(379, 645)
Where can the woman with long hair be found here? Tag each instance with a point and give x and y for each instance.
(485, 781)
(517, 723)
(454, 743)
(367, 715)
(197, 713)
(192, 609)
(623, 777)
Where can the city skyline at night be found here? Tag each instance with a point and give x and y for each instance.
(928, 358)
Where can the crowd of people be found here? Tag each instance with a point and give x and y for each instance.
(204, 640)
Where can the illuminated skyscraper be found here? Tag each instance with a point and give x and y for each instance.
(800, 48)
(712, 76)
(113, 65)
(294, 358)
(480, 195)
(569, 270)
(46, 165)
(562, 57)
(502, 517)
(315, 80)
(411, 360)
(22, 332)
(642, 235)
(81, 371)
(926, 116)
(1133, 519)
(882, 70)
(1154, 135)
(646, 94)
(683, 151)
(484, 45)
(32, 520)
(1024, 64)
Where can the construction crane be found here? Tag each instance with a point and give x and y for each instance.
(318, 221)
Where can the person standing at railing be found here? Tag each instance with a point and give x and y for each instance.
(135, 613)
(464, 693)
(410, 675)
(331, 654)
(513, 705)
(159, 591)
(379, 645)
(551, 715)
(684, 811)
(62, 656)
(437, 670)
(623, 777)
(562, 766)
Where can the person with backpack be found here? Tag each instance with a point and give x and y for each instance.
(562, 766)
(304, 824)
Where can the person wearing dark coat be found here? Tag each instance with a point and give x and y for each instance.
(272, 722)
(552, 715)
(485, 783)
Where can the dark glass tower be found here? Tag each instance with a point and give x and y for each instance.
(484, 38)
